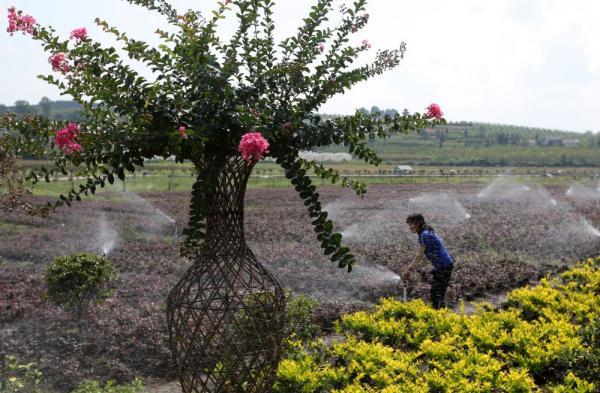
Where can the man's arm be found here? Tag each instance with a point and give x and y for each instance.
(416, 260)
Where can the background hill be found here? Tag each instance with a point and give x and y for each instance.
(457, 144)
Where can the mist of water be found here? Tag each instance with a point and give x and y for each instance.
(441, 208)
(376, 274)
(107, 236)
(156, 221)
(578, 191)
(589, 228)
(386, 224)
(502, 188)
(563, 231)
(324, 281)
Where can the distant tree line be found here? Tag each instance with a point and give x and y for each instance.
(465, 133)
(54, 110)
(375, 111)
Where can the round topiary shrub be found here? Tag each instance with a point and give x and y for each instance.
(74, 281)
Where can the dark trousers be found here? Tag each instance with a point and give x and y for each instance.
(441, 280)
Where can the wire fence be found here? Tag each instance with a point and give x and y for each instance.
(173, 181)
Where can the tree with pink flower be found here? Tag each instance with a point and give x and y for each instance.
(223, 104)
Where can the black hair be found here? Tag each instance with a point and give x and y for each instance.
(418, 219)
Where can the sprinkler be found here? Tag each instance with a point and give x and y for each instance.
(404, 290)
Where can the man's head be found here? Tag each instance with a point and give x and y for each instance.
(415, 222)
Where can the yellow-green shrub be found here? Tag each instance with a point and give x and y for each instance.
(399, 324)
(572, 384)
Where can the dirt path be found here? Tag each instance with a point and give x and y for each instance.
(171, 387)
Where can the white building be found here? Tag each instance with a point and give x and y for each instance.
(571, 142)
(403, 169)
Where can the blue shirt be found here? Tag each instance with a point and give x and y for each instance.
(435, 250)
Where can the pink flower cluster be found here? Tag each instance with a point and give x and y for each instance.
(182, 132)
(79, 34)
(66, 139)
(19, 22)
(321, 46)
(59, 62)
(253, 146)
(366, 43)
(434, 111)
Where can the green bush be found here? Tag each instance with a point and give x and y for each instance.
(16, 377)
(73, 281)
(299, 324)
(94, 387)
(585, 363)
(25, 378)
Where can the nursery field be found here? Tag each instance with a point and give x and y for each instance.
(503, 235)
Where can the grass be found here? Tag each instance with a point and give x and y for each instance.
(164, 176)
(158, 183)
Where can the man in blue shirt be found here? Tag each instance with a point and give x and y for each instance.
(431, 246)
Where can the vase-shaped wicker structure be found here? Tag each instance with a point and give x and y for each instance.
(226, 314)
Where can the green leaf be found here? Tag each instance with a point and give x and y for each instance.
(336, 239)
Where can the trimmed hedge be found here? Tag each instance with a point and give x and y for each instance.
(74, 281)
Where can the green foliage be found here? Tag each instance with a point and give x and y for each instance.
(136, 386)
(74, 281)
(299, 325)
(17, 377)
(218, 89)
(585, 362)
(25, 378)
(542, 340)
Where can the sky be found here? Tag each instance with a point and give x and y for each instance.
(532, 63)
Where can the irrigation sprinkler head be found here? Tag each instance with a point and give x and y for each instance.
(402, 283)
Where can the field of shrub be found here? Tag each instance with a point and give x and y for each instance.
(503, 236)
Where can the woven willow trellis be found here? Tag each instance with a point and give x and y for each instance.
(226, 315)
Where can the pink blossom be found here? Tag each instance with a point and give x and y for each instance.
(79, 34)
(321, 46)
(66, 139)
(366, 43)
(19, 22)
(59, 62)
(354, 28)
(434, 111)
(228, 1)
(63, 137)
(74, 129)
(72, 147)
(182, 132)
(253, 146)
